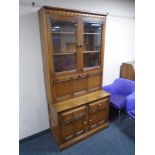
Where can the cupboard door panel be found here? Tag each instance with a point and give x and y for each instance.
(73, 123)
(62, 89)
(94, 81)
(79, 85)
(98, 113)
(103, 112)
(93, 115)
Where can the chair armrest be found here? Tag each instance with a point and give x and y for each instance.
(131, 96)
(130, 105)
(109, 88)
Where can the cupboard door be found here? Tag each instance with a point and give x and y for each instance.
(79, 84)
(64, 38)
(92, 44)
(94, 81)
(103, 112)
(73, 123)
(62, 89)
(93, 115)
(98, 113)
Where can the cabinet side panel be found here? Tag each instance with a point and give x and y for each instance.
(53, 117)
(44, 46)
(103, 48)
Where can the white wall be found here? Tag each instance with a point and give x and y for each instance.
(119, 47)
(33, 108)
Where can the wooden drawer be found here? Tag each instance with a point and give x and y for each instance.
(98, 105)
(73, 115)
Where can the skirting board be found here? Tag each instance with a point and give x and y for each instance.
(34, 136)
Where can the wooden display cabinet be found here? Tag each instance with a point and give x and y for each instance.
(73, 53)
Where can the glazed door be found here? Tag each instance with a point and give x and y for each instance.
(73, 123)
(64, 40)
(92, 33)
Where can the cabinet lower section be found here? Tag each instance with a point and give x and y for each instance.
(83, 136)
(77, 123)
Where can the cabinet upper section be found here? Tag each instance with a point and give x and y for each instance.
(75, 40)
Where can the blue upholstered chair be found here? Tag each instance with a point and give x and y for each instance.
(119, 90)
(130, 105)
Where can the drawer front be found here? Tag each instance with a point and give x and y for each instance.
(98, 113)
(73, 123)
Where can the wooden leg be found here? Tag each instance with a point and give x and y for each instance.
(119, 115)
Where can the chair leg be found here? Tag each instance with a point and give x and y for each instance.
(119, 115)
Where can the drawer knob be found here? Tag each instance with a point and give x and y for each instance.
(85, 122)
(90, 120)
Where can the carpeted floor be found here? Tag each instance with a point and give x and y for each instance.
(114, 140)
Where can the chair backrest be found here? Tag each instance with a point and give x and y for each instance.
(124, 86)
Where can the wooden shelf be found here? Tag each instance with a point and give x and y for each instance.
(91, 33)
(63, 32)
(64, 53)
(91, 51)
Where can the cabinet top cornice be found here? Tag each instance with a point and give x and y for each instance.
(50, 9)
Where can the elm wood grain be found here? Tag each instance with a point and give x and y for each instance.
(62, 89)
(78, 120)
(74, 102)
(83, 136)
(94, 81)
(103, 48)
(98, 113)
(54, 123)
(71, 86)
(73, 123)
(68, 114)
(79, 85)
(45, 54)
(64, 11)
(69, 75)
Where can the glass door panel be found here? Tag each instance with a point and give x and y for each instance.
(64, 45)
(92, 44)
(64, 62)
